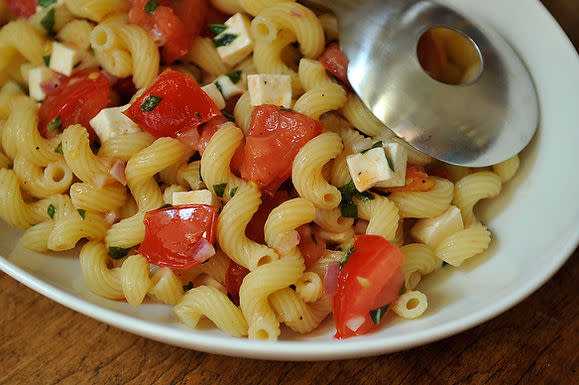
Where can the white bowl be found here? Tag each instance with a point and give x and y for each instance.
(535, 224)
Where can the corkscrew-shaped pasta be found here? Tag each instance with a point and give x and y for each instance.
(419, 260)
(471, 189)
(382, 215)
(424, 204)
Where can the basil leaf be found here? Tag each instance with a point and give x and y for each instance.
(349, 210)
(54, 124)
(150, 103)
(378, 314)
(314, 239)
(219, 189)
(282, 108)
(81, 212)
(233, 191)
(48, 22)
(375, 145)
(229, 117)
(46, 60)
(188, 286)
(200, 176)
(51, 210)
(219, 88)
(216, 28)
(58, 149)
(402, 289)
(150, 7)
(346, 256)
(118, 252)
(224, 39)
(166, 205)
(46, 3)
(235, 76)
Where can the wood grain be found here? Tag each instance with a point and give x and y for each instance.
(536, 342)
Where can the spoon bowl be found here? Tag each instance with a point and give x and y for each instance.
(483, 122)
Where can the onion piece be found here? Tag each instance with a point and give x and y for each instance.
(331, 278)
(203, 251)
(117, 171)
(354, 323)
(50, 85)
(189, 138)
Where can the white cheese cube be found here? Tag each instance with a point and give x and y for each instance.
(111, 122)
(213, 92)
(64, 59)
(432, 231)
(227, 88)
(36, 76)
(235, 43)
(368, 168)
(196, 197)
(270, 89)
(397, 156)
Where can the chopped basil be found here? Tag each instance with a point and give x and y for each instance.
(402, 289)
(390, 164)
(150, 7)
(235, 76)
(54, 124)
(313, 236)
(444, 263)
(150, 103)
(200, 176)
(347, 205)
(229, 117)
(46, 60)
(77, 64)
(166, 205)
(116, 252)
(282, 108)
(224, 39)
(81, 212)
(378, 314)
(46, 3)
(346, 256)
(219, 88)
(216, 28)
(188, 286)
(48, 22)
(375, 145)
(233, 191)
(219, 189)
(349, 209)
(198, 115)
(58, 149)
(51, 210)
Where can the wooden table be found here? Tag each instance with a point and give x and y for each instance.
(536, 342)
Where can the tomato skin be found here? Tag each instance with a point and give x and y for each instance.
(255, 228)
(416, 180)
(78, 99)
(207, 130)
(172, 234)
(234, 278)
(275, 136)
(311, 247)
(22, 8)
(172, 25)
(184, 106)
(336, 63)
(377, 263)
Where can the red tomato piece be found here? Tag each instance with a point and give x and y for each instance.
(336, 63)
(22, 8)
(76, 101)
(311, 246)
(369, 280)
(233, 279)
(172, 24)
(172, 105)
(207, 130)
(255, 227)
(173, 235)
(275, 136)
(416, 180)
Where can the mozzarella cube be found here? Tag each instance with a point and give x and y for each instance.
(227, 88)
(368, 168)
(64, 59)
(432, 231)
(111, 122)
(270, 89)
(36, 76)
(235, 43)
(196, 197)
(213, 92)
(397, 156)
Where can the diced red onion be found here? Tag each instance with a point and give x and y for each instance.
(117, 171)
(354, 323)
(190, 138)
(203, 251)
(50, 85)
(295, 13)
(331, 278)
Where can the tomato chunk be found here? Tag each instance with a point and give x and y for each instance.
(311, 246)
(172, 24)
(22, 8)
(336, 63)
(234, 278)
(172, 105)
(179, 237)
(76, 101)
(275, 136)
(416, 180)
(370, 281)
(255, 228)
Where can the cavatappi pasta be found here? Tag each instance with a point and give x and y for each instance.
(65, 187)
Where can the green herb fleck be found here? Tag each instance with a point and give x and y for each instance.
(118, 252)
(346, 256)
(282, 108)
(46, 3)
(347, 205)
(46, 60)
(77, 64)
(378, 314)
(233, 191)
(150, 103)
(200, 176)
(349, 209)
(314, 239)
(48, 22)
(219, 189)
(51, 210)
(378, 144)
(234, 76)
(216, 28)
(166, 205)
(402, 289)
(150, 7)
(58, 149)
(81, 212)
(224, 39)
(198, 115)
(188, 286)
(444, 263)
(219, 88)
(229, 117)
(54, 124)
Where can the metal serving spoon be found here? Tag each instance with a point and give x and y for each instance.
(476, 124)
